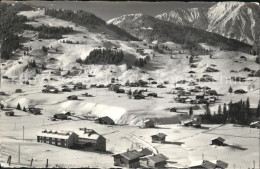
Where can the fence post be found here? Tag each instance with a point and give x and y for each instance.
(31, 163)
(47, 163)
(9, 160)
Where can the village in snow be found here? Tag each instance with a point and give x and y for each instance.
(78, 92)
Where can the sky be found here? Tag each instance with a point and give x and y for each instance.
(108, 10)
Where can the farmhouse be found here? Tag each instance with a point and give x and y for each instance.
(239, 91)
(139, 96)
(105, 120)
(9, 113)
(90, 138)
(160, 137)
(220, 164)
(129, 159)
(146, 152)
(203, 164)
(148, 123)
(187, 123)
(173, 109)
(154, 161)
(255, 124)
(60, 116)
(218, 141)
(72, 97)
(59, 138)
(18, 91)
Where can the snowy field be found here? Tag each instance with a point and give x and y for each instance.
(186, 144)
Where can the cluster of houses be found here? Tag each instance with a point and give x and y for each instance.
(197, 95)
(138, 159)
(83, 138)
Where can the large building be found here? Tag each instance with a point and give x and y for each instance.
(59, 138)
(89, 138)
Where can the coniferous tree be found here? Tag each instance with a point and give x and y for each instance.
(258, 110)
(219, 109)
(191, 111)
(230, 90)
(24, 109)
(18, 106)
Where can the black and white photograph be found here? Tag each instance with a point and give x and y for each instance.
(130, 84)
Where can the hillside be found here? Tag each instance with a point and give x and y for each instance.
(151, 29)
(237, 20)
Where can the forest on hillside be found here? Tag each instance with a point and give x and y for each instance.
(103, 56)
(49, 32)
(11, 24)
(82, 17)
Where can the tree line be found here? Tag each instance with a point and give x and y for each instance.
(239, 113)
(103, 56)
(49, 32)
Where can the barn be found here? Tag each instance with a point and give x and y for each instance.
(218, 141)
(160, 137)
(149, 123)
(154, 161)
(105, 120)
(59, 138)
(9, 113)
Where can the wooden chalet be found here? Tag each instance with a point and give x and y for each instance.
(129, 159)
(160, 137)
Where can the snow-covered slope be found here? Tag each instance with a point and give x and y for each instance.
(236, 20)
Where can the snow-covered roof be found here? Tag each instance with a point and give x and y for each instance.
(220, 163)
(203, 163)
(219, 139)
(92, 135)
(157, 158)
(55, 134)
(130, 155)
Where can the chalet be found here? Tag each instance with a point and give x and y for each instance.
(114, 87)
(2, 93)
(139, 96)
(187, 123)
(152, 94)
(239, 91)
(153, 82)
(1, 106)
(59, 138)
(194, 90)
(246, 69)
(212, 92)
(154, 161)
(160, 137)
(255, 124)
(220, 164)
(191, 71)
(113, 80)
(149, 123)
(90, 138)
(193, 66)
(202, 164)
(200, 96)
(197, 121)
(129, 159)
(9, 113)
(18, 91)
(145, 152)
(210, 69)
(35, 111)
(105, 120)
(60, 116)
(218, 141)
(120, 91)
(72, 97)
(173, 109)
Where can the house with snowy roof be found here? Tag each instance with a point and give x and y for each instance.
(59, 138)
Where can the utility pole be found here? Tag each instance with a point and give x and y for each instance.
(19, 153)
(47, 163)
(23, 133)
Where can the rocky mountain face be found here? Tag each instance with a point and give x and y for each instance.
(237, 20)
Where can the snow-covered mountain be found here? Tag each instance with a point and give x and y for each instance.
(236, 20)
(153, 29)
